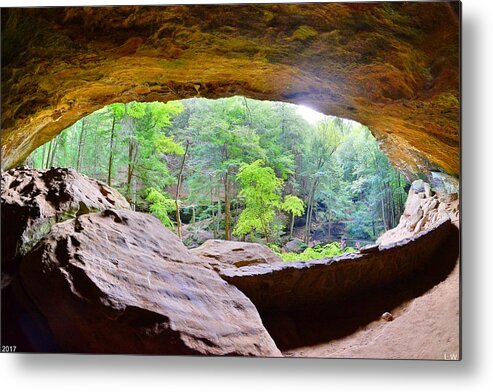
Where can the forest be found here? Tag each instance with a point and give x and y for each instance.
(305, 184)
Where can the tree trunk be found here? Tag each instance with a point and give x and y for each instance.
(110, 163)
(292, 227)
(214, 233)
(311, 200)
(53, 152)
(80, 150)
(383, 210)
(43, 156)
(133, 150)
(46, 165)
(218, 216)
(177, 196)
(227, 206)
(330, 224)
(266, 232)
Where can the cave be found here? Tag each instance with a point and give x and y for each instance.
(393, 67)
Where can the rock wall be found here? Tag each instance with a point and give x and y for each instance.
(424, 207)
(284, 286)
(391, 66)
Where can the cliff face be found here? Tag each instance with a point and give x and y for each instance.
(393, 67)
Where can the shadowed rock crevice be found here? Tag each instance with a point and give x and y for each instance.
(321, 324)
(285, 286)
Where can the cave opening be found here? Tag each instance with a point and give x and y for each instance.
(306, 184)
(251, 175)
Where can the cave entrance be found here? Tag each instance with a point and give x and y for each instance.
(306, 184)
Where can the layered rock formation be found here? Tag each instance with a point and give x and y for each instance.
(393, 67)
(119, 282)
(224, 254)
(34, 200)
(284, 286)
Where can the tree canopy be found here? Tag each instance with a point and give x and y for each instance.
(238, 168)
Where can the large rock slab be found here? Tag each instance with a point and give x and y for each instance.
(286, 286)
(220, 253)
(119, 282)
(34, 200)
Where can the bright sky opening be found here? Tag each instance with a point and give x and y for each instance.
(309, 114)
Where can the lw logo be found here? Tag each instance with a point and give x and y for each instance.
(450, 356)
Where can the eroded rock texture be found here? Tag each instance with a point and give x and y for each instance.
(119, 282)
(223, 254)
(424, 208)
(34, 200)
(286, 286)
(393, 67)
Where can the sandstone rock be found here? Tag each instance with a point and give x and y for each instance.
(294, 285)
(422, 211)
(427, 189)
(227, 253)
(443, 183)
(33, 200)
(414, 219)
(418, 186)
(382, 65)
(448, 198)
(119, 282)
(195, 237)
(387, 316)
(295, 245)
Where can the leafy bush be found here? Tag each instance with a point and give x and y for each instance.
(161, 206)
(317, 252)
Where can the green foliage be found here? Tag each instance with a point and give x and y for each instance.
(263, 155)
(260, 189)
(161, 206)
(293, 204)
(317, 252)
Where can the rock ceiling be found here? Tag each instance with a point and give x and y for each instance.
(393, 67)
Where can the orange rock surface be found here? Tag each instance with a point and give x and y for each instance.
(392, 67)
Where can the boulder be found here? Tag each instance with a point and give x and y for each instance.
(120, 282)
(195, 236)
(422, 211)
(418, 186)
(33, 200)
(443, 183)
(234, 253)
(295, 245)
(449, 197)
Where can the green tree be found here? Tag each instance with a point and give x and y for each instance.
(322, 143)
(161, 206)
(260, 189)
(295, 206)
